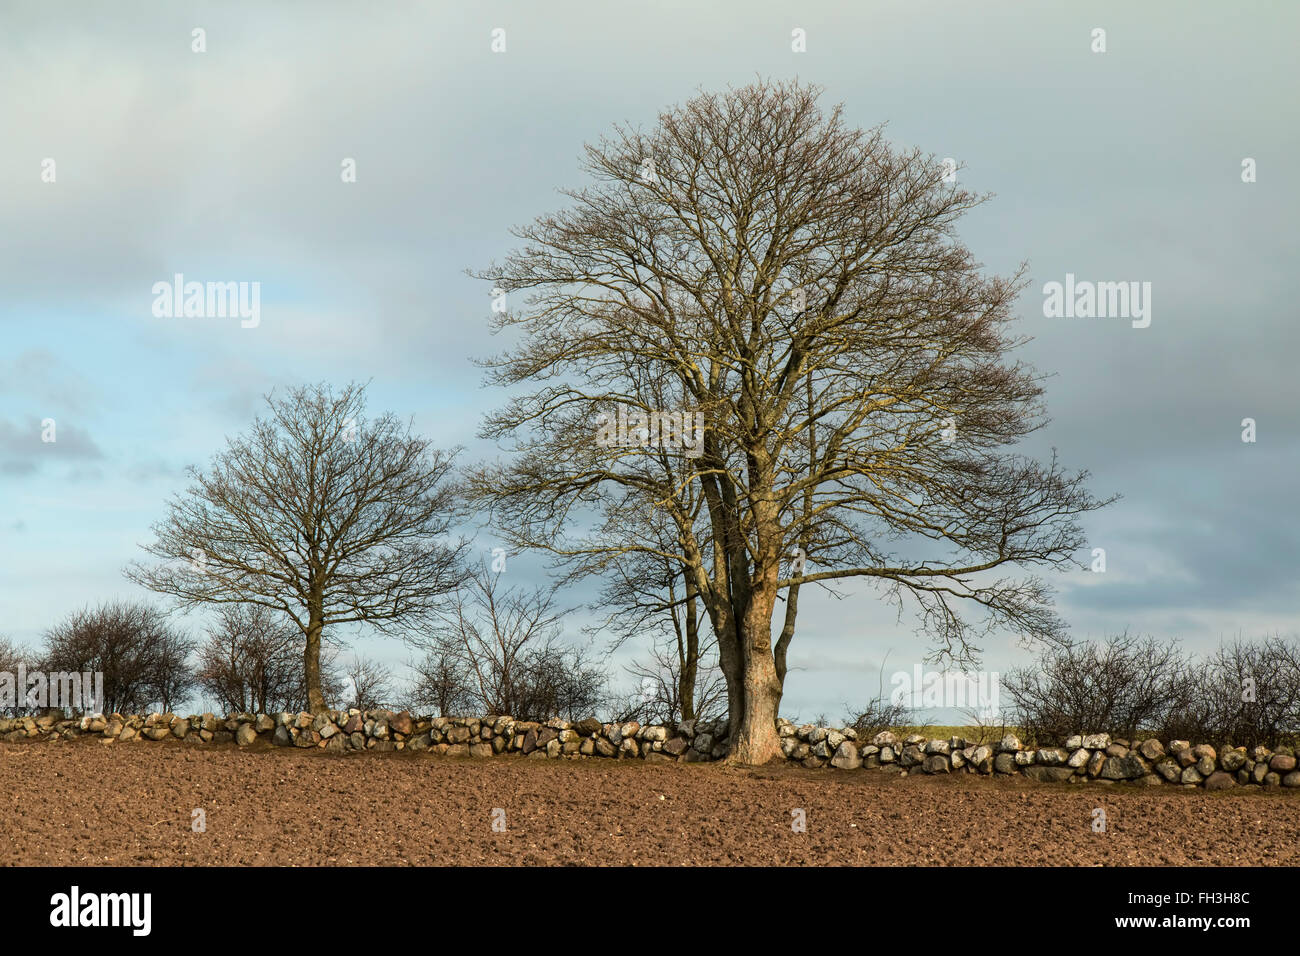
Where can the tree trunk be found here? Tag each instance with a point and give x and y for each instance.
(691, 661)
(311, 661)
(754, 739)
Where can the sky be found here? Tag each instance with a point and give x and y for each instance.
(225, 165)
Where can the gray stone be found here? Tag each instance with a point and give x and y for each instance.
(936, 763)
(1128, 767)
(1048, 774)
(245, 735)
(846, 756)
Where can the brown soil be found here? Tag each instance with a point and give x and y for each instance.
(130, 804)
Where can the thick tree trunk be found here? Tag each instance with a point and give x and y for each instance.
(311, 662)
(754, 739)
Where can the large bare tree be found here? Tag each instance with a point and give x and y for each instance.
(320, 513)
(798, 283)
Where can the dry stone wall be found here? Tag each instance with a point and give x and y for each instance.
(1093, 758)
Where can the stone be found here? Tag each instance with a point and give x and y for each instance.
(676, 746)
(588, 727)
(1292, 779)
(180, 728)
(1151, 749)
(1191, 775)
(1128, 767)
(1169, 769)
(1205, 752)
(1233, 760)
(480, 750)
(357, 741)
(1050, 757)
(1079, 759)
(1048, 774)
(704, 743)
(1282, 763)
(1185, 757)
(264, 724)
(982, 759)
(1272, 779)
(937, 747)
(281, 737)
(1205, 766)
(1219, 781)
(1074, 743)
(402, 723)
(884, 739)
(1004, 763)
(157, 733)
(846, 756)
(1024, 758)
(887, 754)
(1116, 750)
(1096, 741)
(936, 763)
(245, 735)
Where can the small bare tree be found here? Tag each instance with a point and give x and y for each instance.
(318, 513)
(12, 655)
(371, 683)
(441, 684)
(251, 662)
(506, 641)
(144, 659)
(666, 691)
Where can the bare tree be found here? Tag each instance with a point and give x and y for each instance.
(666, 691)
(251, 662)
(144, 660)
(1122, 685)
(800, 286)
(441, 684)
(371, 683)
(506, 643)
(12, 656)
(319, 513)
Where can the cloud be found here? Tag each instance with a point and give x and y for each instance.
(24, 448)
